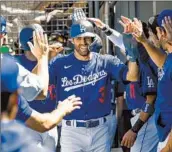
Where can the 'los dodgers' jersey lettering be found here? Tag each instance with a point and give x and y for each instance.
(80, 80)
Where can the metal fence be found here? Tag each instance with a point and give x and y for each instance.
(54, 16)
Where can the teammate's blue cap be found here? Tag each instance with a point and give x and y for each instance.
(2, 25)
(26, 35)
(9, 74)
(167, 12)
(82, 28)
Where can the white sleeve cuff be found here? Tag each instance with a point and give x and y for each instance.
(30, 84)
(117, 39)
(31, 87)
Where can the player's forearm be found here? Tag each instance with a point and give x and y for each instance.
(147, 112)
(156, 55)
(52, 55)
(144, 116)
(52, 119)
(42, 72)
(35, 69)
(119, 107)
(44, 122)
(133, 72)
(114, 36)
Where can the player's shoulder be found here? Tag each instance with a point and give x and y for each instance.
(102, 56)
(107, 58)
(112, 59)
(169, 57)
(60, 59)
(7, 56)
(168, 62)
(18, 56)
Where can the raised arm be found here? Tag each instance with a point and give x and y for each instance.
(117, 39)
(131, 49)
(114, 36)
(155, 53)
(40, 50)
(133, 72)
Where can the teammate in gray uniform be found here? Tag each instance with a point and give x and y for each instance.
(96, 46)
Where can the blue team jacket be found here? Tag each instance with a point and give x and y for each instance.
(89, 80)
(163, 113)
(136, 91)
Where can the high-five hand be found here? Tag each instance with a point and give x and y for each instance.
(40, 46)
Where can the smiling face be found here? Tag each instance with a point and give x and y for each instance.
(81, 45)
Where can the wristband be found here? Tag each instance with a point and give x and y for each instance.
(104, 28)
(107, 30)
(148, 108)
(139, 123)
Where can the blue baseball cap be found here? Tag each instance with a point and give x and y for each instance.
(9, 74)
(26, 35)
(167, 12)
(2, 25)
(82, 28)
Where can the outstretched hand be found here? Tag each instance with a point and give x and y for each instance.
(126, 24)
(97, 22)
(129, 139)
(138, 32)
(78, 14)
(134, 27)
(70, 104)
(166, 149)
(40, 46)
(167, 24)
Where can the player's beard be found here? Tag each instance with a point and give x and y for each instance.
(82, 50)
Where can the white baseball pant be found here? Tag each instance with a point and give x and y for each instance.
(82, 139)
